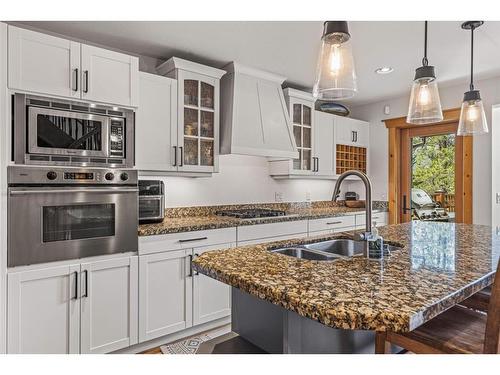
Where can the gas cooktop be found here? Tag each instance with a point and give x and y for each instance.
(251, 213)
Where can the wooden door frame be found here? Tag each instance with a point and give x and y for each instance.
(398, 127)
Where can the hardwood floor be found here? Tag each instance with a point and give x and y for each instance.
(152, 351)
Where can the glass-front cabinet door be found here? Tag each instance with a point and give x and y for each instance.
(301, 114)
(199, 119)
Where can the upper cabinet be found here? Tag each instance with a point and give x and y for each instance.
(351, 144)
(156, 121)
(352, 132)
(313, 133)
(328, 144)
(49, 65)
(109, 77)
(198, 91)
(301, 109)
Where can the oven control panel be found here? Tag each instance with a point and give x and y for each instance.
(70, 176)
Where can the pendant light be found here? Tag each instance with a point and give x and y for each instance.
(335, 73)
(425, 106)
(472, 116)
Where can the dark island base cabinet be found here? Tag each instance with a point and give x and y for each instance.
(277, 330)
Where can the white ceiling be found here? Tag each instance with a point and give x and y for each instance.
(290, 48)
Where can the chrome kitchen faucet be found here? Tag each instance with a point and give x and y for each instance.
(368, 234)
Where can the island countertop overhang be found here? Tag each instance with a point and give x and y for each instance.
(439, 265)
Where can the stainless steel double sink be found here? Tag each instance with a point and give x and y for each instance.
(329, 250)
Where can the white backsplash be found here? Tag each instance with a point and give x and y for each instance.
(245, 179)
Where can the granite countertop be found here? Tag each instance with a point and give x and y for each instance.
(439, 265)
(211, 221)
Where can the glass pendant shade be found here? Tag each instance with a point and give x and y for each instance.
(472, 115)
(425, 105)
(335, 73)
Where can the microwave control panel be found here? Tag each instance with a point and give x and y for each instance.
(117, 138)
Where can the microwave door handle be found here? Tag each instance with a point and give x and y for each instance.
(53, 191)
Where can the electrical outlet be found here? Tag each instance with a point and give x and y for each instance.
(278, 196)
(308, 196)
(498, 198)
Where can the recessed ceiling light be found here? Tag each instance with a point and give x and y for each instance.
(384, 70)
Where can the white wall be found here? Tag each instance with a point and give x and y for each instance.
(3, 186)
(495, 167)
(451, 97)
(242, 179)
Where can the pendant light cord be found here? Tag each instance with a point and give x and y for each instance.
(425, 62)
(471, 87)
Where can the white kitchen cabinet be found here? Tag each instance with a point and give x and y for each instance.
(171, 297)
(379, 218)
(156, 124)
(49, 65)
(109, 310)
(44, 311)
(109, 77)
(186, 240)
(43, 63)
(301, 112)
(165, 293)
(198, 107)
(332, 224)
(324, 144)
(252, 234)
(211, 298)
(76, 308)
(351, 132)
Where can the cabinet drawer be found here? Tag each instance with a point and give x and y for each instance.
(379, 217)
(327, 232)
(270, 239)
(185, 240)
(331, 223)
(289, 228)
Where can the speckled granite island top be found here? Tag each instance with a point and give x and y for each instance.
(439, 265)
(189, 219)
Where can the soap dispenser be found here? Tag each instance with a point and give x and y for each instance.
(375, 244)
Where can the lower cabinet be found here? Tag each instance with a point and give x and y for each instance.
(211, 298)
(109, 310)
(173, 297)
(78, 308)
(44, 311)
(165, 293)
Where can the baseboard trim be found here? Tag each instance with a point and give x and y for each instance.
(167, 339)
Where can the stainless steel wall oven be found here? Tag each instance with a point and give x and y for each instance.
(59, 213)
(61, 132)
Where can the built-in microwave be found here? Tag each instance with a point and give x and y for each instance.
(61, 132)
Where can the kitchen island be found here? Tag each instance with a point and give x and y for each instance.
(437, 266)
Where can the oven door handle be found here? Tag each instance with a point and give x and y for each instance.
(52, 191)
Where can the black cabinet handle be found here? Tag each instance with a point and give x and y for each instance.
(193, 239)
(317, 164)
(356, 137)
(334, 222)
(76, 285)
(175, 156)
(182, 156)
(86, 74)
(76, 79)
(86, 283)
(196, 273)
(190, 265)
